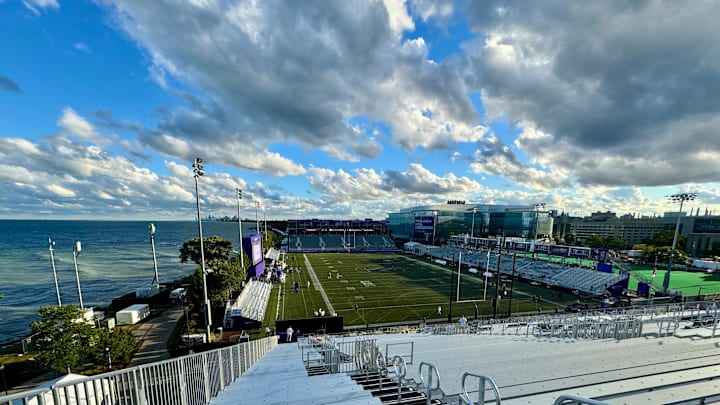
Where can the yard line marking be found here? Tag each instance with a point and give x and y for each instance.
(317, 284)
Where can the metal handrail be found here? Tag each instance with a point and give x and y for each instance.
(432, 371)
(188, 380)
(575, 400)
(482, 379)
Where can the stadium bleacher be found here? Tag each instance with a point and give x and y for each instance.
(250, 304)
(315, 235)
(547, 272)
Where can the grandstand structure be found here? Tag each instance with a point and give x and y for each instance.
(247, 311)
(572, 272)
(326, 235)
(641, 355)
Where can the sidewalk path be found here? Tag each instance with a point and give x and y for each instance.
(154, 335)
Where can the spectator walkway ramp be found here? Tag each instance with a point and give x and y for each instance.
(281, 378)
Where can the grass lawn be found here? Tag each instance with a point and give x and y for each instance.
(690, 283)
(394, 288)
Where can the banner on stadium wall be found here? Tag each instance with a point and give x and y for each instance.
(540, 248)
(605, 267)
(557, 250)
(579, 252)
(424, 224)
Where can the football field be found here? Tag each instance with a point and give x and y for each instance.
(367, 289)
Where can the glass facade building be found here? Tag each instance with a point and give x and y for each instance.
(435, 224)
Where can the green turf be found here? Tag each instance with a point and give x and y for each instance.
(390, 288)
(690, 283)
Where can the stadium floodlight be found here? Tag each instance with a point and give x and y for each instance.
(239, 197)
(435, 214)
(472, 228)
(152, 243)
(681, 198)
(52, 261)
(257, 218)
(197, 172)
(76, 252)
(537, 207)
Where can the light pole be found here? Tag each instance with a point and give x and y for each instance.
(679, 197)
(487, 273)
(472, 228)
(197, 172)
(152, 243)
(265, 221)
(52, 261)
(435, 213)
(109, 360)
(76, 251)
(239, 197)
(257, 218)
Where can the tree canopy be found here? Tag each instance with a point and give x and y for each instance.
(224, 275)
(67, 340)
(216, 250)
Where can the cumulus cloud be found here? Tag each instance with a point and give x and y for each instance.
(624, 92)
(312, 67)
(369, 184)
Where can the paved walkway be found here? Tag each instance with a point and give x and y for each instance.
(154, 335)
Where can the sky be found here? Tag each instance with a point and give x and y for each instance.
(353, 109)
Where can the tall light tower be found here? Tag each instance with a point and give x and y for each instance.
(472, 228)
(681, 198)
(537, 217)
(52, 261)
(197, 172)
(151, 226)
(435, 214)
(239, 197)
(257, 218)
(265, 221)
(76, 251)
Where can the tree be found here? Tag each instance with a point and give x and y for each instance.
(615, 243)
(224, 275)
(665, 238)
(595, 241)
(216, 250)
(63, 336)
(121, 343)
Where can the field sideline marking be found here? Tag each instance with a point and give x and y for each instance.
(317, 284)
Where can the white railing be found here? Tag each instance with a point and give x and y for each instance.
(188, 380)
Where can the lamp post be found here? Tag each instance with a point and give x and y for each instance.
(156, 280)
(265, 221)
(197, 172)
(2, 370)
(487, 273)
(109, 360)
(76, 251)
(52, 261)
(435, 213)
(472, 228)
(257, 218)
(239, 197)
(681, 198)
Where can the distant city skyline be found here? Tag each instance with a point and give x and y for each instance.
(353, 110)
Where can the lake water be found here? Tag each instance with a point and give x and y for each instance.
(116, 258)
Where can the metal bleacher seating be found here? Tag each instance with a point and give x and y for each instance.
(587, 281)
(251, 303)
